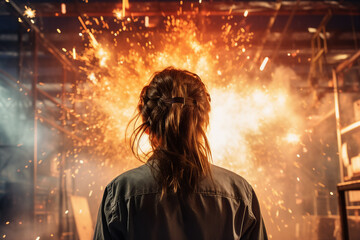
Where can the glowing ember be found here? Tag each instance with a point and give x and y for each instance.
(74, 53)
(117, 13)
(246, 13)
(29, 13)
(263, 64)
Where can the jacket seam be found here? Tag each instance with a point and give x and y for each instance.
(200, 193)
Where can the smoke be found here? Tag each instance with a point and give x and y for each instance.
(257, 126)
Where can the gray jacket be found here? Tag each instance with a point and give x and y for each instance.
(223, 208)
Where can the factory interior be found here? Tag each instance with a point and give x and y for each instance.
(284, 81)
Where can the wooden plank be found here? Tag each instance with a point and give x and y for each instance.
(82, 216)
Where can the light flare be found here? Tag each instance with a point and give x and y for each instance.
(29, 13)
(292, 138)
(118, 13)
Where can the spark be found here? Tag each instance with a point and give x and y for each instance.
(117, 13)
(29, 13)
(92, 78)
(146, 21)
(74, 54)
(246, 13)
(93, 40)
(263, 64)
(63, 8)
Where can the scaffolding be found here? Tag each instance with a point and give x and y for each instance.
(51, 111)
(349, 172)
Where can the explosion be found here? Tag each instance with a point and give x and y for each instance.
(253, 126)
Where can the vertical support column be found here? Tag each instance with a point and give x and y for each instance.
(338, 124)
(73, 186)
(62, 166)
(19, 133)
(34, 100)
(61, 210)
(343, 214)
(20, 52)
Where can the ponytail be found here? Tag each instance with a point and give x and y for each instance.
(174, 109)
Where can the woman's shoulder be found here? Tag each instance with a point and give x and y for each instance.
(228, 184)
(133, 182)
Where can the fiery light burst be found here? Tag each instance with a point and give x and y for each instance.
(29, 13)
(249, 120)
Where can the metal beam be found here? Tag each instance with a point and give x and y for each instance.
(348, 62)
(61, 106)
(35, 149)
(276, 50)
(338, 124)
(140, 9)
(43, 93)
(265, 36)
(61, 129)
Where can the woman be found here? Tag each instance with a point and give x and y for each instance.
(177, 193)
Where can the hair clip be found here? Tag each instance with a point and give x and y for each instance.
(188, 101)
(178, 100)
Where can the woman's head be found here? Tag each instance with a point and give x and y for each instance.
(174, 109)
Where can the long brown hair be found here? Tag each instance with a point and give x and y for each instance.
(174, 108)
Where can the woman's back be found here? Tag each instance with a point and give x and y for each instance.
(224, 207)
